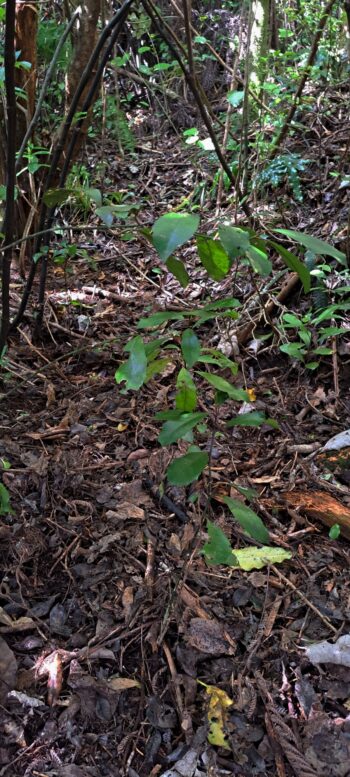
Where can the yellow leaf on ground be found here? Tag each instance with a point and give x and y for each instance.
(219, 703)
(257, 558)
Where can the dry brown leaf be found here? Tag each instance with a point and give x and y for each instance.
(209, 637)
(123, 683)
(127, 601)
(22, 624)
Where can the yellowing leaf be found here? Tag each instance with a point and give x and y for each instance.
(219, 702)
(121, 427)
(251, 394)
(257, 558)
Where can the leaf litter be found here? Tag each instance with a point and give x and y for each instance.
(111, 620)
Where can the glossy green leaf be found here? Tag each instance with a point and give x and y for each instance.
(213, 257)
(178, 428)
(248, 519)
(186, 395)
(190, 347)
(134, 371)
(220, 360)
(186, 469)
(259, 261)
(172, 231)
(334, 531)
(294, 264)
(5, 505)
(314, 244)
(178, 269)
(159, 318)
(255, 418)
(294, 350)
(235, 241)
(218, 549)
(223, 385)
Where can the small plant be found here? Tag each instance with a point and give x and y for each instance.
(283, 169)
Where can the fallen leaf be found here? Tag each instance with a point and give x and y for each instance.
(123, 683)
(219, 703)
(257, 558)
(330, 653)
(208, 636)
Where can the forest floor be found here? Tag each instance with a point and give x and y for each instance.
(111, 620)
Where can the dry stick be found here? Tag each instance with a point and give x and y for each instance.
(306, 74)
(198, 95)
(10, 164)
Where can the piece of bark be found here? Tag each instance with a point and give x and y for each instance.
(322, 506)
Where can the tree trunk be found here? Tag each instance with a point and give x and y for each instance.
(84, 39)
(25, 41)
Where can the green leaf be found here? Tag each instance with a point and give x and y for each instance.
(218, 550)
(257, 558)
(235, 241)
(220, 360)
(175, 430)
(314, 244)
(186, 469)
(186, 396)
(322, 350)
(178, 269)
(255, 418)
(155, 367)
(168, 415)
(172, 231)
(5, 506)
(294, 350)
(235, 98)
(190, 347)
(334, 531)
(159, 318)
(294, 264)
(223, 385)
(57, 196)
(291, 320)
(94, 195)
(259, 261)
(213, 257)
(106, 214)
(219, 304)
(134, 371)
(248, 519)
